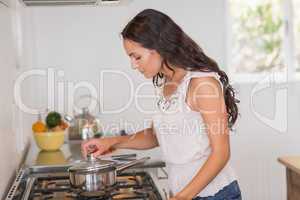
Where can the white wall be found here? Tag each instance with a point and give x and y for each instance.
(82, 41)
(13, 122)
(256, 145)
(8, 153)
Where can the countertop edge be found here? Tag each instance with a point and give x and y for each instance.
(289, 162)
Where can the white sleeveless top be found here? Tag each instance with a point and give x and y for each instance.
(183, 140)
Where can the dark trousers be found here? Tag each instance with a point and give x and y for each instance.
(229, 192)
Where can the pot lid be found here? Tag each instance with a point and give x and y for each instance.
(92, 164)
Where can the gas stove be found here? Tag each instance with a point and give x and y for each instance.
(53, 183)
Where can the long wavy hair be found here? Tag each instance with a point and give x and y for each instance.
(155, 30)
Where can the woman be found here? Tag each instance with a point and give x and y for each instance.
(196, 109)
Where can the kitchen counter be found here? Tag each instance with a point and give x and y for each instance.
(70, 152)
(292, 164)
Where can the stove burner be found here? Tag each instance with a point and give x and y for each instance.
(103, 194)
(94, 195)
(129, 186)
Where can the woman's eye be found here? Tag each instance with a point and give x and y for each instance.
(138, 58)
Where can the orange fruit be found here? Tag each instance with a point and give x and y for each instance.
(39, 127)
(64, 125)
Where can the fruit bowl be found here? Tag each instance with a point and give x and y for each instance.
(49, 141)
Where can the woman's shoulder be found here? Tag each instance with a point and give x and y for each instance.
(199, 78)
(205, 85)
(202, 88)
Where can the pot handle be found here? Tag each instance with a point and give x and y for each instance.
(131, 163)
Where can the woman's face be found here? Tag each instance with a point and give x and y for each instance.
(147, 61)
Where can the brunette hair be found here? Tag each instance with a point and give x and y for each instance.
(156, 30)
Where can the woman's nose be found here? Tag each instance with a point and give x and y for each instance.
(134, 65)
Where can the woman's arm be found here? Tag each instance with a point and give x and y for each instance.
(145, 139)
(205, 96)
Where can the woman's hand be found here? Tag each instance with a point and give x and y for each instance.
(97, 146)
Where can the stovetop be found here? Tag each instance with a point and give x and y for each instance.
(55, 186)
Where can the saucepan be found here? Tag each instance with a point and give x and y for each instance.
(94, 174)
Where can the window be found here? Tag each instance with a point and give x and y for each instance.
(260, 39)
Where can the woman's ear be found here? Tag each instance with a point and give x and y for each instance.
(153, 51)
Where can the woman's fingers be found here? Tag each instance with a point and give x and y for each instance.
(93, 147)
(97, 150)
(97, 153)
(89, 146)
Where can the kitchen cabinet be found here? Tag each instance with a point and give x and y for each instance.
(292, 164)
